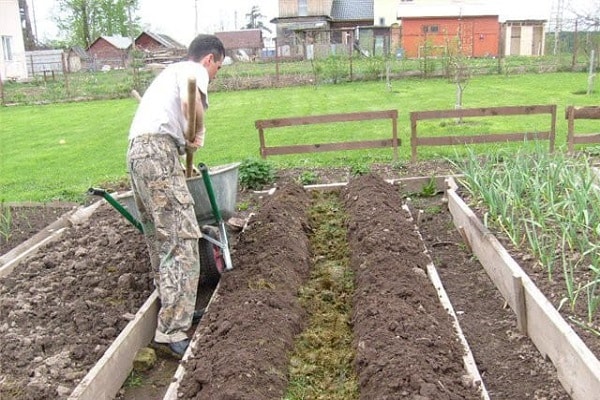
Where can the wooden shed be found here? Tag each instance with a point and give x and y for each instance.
(109, 51)
(523, 38)
(158, 47)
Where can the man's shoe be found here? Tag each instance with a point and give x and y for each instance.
(197, 316)
(176, 349)
(180, 347)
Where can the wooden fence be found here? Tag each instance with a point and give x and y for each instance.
(571, 114)
(416, 116)
(265, 150)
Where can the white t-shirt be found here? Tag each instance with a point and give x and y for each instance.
(159, 110)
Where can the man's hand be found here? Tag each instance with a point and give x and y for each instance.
(198, 141)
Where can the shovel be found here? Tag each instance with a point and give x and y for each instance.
(191, 128)
(223, 244)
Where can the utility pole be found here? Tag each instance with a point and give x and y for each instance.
(558, 24)
(196, 18)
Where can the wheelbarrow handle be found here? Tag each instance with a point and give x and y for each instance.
(122, 210)
(209, 190)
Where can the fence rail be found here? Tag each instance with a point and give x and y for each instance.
(417, 116)
(265, 150)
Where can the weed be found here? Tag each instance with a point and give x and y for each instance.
(243, 206)
(5, 221)
(134, 380)
(358, 169)
(307, 178)
(254, 173)
(430, 189)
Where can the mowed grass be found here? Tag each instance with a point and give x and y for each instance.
(56, 152)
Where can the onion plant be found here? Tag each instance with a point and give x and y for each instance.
(5, 221)
(548, 204)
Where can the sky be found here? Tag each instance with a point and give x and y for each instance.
(176, 18)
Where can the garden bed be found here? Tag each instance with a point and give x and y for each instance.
(510, 365)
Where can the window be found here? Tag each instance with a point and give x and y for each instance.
(7, 46)
(302, 8)
(430, 29)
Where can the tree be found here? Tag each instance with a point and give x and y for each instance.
(82, 21)
(254, 20)
(28, 37)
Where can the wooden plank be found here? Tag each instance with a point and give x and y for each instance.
(586, 138)
(468, 359)
(171, 393)
(106, 378)
(486, 138)
(590, 112)
(327, 118)
(322, 147)
(578, 369)
(483, 112)
(499, 265)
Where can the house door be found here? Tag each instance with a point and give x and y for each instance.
(536, 45)
(515, 41)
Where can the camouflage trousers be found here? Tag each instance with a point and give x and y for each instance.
(166, 211)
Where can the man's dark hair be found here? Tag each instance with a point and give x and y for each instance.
(202, 45)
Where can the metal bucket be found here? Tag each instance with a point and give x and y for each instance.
(224, 179)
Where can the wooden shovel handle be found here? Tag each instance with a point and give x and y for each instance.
(191, 131)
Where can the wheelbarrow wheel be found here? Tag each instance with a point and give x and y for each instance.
(210, 258)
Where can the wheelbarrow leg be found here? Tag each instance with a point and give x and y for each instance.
(223, 243)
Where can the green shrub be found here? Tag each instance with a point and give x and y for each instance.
(358, 169)
(307, 178)
(254, 174)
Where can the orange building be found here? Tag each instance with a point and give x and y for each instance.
(435, 30)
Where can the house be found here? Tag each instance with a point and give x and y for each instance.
(313, 27)
(112, 51)
(243, 43)
(12, 47)
(437, 29)
(158, 47)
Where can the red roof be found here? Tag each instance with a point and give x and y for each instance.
(244, 39)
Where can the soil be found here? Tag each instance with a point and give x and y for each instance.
(61, 309)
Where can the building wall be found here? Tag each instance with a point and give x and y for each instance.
(10, 29)
(478, 36)
(104, 53)
(290, 8)
(385, 11)
(147, 42)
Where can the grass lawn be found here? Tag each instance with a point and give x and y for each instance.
(56, 152)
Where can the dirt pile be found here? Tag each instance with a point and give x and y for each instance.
(406, 344)
(250, 325)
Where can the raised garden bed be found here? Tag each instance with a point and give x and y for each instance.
(510, 365)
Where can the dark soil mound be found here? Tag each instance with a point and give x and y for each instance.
(406, 343)
(250, 325)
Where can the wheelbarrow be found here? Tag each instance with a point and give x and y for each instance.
(215, 195)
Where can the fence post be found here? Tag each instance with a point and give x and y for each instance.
(1, 91)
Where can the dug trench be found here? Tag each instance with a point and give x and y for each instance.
(403, 340)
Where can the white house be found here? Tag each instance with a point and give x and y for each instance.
(12, 47)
